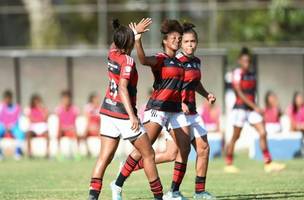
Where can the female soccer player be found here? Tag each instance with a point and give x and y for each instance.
(192, 84)
(118, 112)
(164, 106)
(245, 109)
(37, 115)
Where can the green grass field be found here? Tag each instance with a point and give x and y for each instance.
(68, 180)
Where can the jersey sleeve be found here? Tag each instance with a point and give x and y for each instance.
(127, 68)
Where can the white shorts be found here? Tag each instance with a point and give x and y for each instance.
(240, 116)
(170, 120)
(39, 128)
(118, 128)
(197, 127)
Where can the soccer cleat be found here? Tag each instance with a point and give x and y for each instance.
(177, 195)
(116, 191)
(203, 195)
(274, 167)
(231, 169)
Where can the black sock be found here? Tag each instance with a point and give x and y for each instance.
(95, 187)
(126, 171)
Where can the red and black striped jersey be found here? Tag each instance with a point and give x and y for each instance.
(192, 78)
(168, 81)
(246, 80)
(119, 66)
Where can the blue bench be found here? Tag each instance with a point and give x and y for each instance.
(282, 146)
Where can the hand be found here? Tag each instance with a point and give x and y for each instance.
(211, 98)
(141, 27)
(134, 123)
(185, 108)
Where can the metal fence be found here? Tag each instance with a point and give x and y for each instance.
(84, 71)
(49, 72)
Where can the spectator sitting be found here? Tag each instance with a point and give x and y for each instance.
(9, 122)
(296, 113)
(67, 114)
(37, 115)
(91, 111)
(210, 114)
(272, 113)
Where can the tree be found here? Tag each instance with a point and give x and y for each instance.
(44, 28)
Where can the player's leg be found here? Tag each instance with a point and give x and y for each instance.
(239, 117)
(168, 155)
(231, 144)
(182, 139)
(269, 165)
(256, 120)
(200, 143)
(143, 145)
(153, 124)
(153, 130)
(202, 148)
(108, 146)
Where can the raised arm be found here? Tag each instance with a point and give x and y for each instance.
(138, 30)
(143, 59)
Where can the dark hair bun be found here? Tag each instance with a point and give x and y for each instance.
(169, 26)
(115, 24)
(245, 51)
(188, 26)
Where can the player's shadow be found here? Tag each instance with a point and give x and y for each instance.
(273, 195)
(276, 195)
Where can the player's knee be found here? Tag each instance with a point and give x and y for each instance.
(203, 151)
(106, 159)
(235, 137)
(149, 155)
(263, 134)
